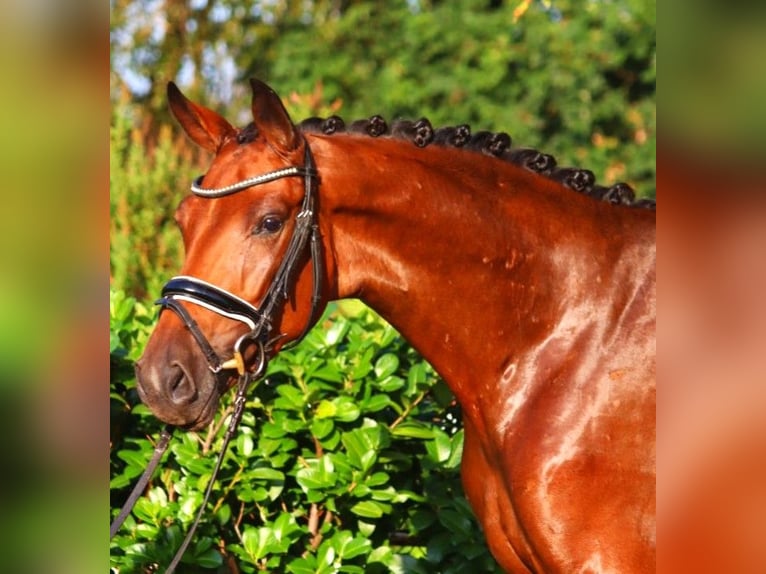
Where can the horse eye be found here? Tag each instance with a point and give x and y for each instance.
(269, 224)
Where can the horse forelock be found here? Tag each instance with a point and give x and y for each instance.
(247, 134)
(494, 144)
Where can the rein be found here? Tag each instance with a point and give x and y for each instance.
(189, 289)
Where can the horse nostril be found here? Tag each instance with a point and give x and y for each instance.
(182, 387)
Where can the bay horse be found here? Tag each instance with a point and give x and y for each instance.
(529, 294)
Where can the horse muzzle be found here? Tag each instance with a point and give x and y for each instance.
(176, 393)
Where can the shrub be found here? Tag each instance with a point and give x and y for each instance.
(347, 460)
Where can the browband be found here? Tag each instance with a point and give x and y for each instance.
(245, 183)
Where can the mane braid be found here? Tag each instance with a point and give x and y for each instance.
(532, 160)
(453, 136)
(375, 126)
(496, 144)
(489, 143)
(580, 180)
(419, 133)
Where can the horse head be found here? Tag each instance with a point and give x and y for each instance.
(246, 284)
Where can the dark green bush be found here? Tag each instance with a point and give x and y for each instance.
(347, 460)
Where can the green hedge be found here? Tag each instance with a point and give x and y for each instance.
(347, 460)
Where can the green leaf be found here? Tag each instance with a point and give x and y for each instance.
(158, 496)
(337, 330)
(312, 479)
(114, 342)
(362, 365)
(284, 526)
(331, 441)
(456, 451)
(210, 559)
(257, 541)
(268, 446)
(386, 365)
(440, 447)
(264, 473)
(366, 528)
(291, 398)
(325, 555)
(325, 409)
(223, 514)
(382, 554)
(306, 565)
(348, 547)
(390, 384)
(370, 509)
(417, 375)
(347, 410)
(376, 403)
(422, 519)
(245, 444)
(377, 479)
(189, 504)
(455, 521)
(133, 457)
(319, 475)
(146, 510)
(320, 428)
(361, 445)
(412, 429)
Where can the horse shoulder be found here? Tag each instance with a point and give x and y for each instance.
(579, 474)
(565, 475)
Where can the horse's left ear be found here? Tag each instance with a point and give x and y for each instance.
(271, 118)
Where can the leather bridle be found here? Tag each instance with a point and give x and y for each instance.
(187, 289)
(226, 304)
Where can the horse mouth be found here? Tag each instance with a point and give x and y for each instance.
(205, 415)
(209, 408)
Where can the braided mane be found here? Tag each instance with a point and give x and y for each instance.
(421, 134)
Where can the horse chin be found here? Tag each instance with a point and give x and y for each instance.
(199, 423)
(205, 415)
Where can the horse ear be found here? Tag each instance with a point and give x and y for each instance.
(205, 127)
(271, 118)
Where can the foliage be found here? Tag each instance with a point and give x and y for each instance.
(144, 192)
(575, 79)
(347, 460)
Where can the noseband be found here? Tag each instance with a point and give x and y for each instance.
(259, 319)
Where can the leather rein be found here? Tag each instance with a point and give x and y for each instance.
(189, 289)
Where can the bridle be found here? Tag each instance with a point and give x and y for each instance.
(187, 289)
(226, 304)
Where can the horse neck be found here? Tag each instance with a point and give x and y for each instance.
(468, 257)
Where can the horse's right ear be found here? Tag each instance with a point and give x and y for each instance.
(205, 127)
